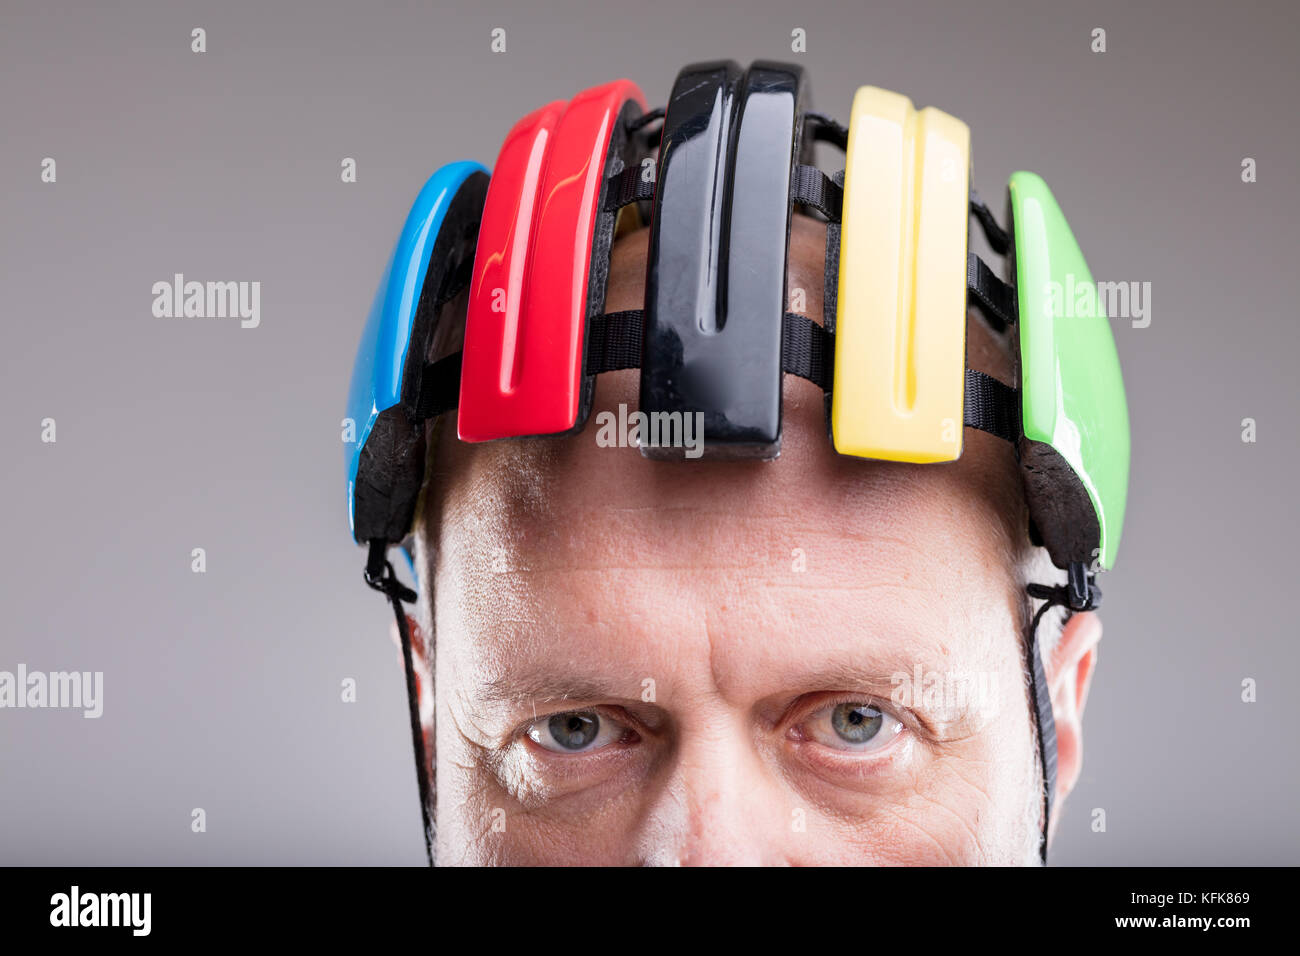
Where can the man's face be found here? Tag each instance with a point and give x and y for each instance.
(809, 661)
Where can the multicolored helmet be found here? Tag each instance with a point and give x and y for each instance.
(717, 176)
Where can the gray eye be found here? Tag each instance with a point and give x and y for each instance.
(853, 726)
(856, 723)
(574, 731)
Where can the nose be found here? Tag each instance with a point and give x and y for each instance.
(719, 807)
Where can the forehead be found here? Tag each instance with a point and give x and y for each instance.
(544, 544)
(618, 574)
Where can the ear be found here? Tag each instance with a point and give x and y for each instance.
(1069, 674)
(423, 681)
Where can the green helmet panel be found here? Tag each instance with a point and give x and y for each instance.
(1075, 450)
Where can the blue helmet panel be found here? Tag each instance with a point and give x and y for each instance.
(431, 246)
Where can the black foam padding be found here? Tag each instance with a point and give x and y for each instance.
(389, 474)
(1058, 504)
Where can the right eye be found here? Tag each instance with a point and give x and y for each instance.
(575, 731)
(853, 726)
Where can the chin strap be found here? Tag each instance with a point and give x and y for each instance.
(380, 576)
(1079, 594)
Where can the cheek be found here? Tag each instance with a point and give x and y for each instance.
(982, 803)
(467, 818)
(962, 810)
(493, 813)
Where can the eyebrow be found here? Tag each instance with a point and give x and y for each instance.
(548, 684)
(854, 676)
(551, 685)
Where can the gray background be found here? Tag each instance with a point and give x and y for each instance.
(222, 689)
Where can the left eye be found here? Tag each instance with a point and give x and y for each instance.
(575, 731)
(853, 725)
